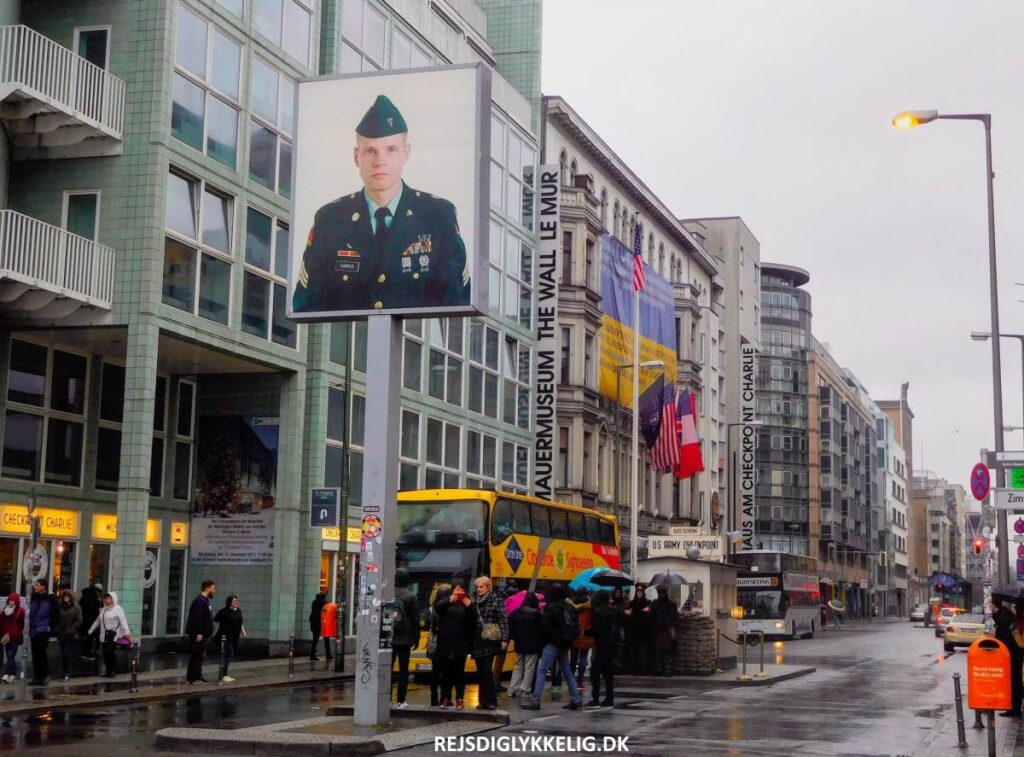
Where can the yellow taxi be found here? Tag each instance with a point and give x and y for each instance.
(963, 630)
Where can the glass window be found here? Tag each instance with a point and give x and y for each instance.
(26, 381)
(521, 517)
(64, 452)
(216, 221)
(559, 524)
(257, 239)
(287, 121)
(23, 445)
(267, 15)
(284, 169)
(108, 458)
(255, 305)
(412, 362)
(375, 28)
(222, 132)
(181, 205)
(67, 385)
(190, 43)
(156, 468)
(540, 520)
(281, 242)
(262, 154)
(82, 214)
(497, 183)
(336, 414)
(296, 31)
(607, 532)
(92, 45)
(226, 62)
(410, 435)
(401, 51)
(352, 19)
(179, 274)
(283, 329)
(452, 445)
(183, 471)
(160, 406)
(214, 289)
(186, 396)
(187, 112)
(593, 529)
(351, 60)
(339, 352)
(264, 90)
(358, 419)
(112, 392)
(334, 458)
(435, 441)
(577, 532)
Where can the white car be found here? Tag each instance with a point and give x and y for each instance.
(919, 612)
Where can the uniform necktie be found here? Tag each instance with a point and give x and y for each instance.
(381, 235)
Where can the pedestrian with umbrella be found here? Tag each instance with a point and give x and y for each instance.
(665, 615)
(639, 631)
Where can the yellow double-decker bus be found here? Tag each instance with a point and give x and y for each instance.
(521, 542)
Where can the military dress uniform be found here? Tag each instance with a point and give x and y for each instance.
(418, 261)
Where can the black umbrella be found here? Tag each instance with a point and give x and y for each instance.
(610, 577)
(667, 578)
(1010, 592)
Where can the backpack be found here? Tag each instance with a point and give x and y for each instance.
(570, 623)
(400, 626)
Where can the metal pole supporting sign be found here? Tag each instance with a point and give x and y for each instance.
(375, 590)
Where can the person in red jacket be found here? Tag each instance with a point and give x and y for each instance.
(12, 623)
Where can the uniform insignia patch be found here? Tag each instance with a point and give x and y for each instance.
(349, 254)
(406, 263)
(355, 216)
(424, 262)
(309, 239)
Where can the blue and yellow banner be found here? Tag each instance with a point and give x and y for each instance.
(657, 322)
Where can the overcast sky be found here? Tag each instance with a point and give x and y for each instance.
(780, 112)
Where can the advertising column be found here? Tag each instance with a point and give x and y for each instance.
(546, 392)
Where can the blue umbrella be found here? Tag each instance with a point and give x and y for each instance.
(583, 580)
(598, 579)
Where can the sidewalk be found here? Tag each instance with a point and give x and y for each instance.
(664, 687)
(163, 684)
(943, 739)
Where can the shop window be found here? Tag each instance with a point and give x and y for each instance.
(99, 564)
(175, 591)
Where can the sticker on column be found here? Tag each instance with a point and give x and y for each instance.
(149, 572)
(34, 564)
(371, 527)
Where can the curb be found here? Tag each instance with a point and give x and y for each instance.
(267, 743)
(125, 697)
(413, 711)
(673, 684)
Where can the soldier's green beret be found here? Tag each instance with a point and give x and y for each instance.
(382, 120)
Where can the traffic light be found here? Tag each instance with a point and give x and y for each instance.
(979, 544)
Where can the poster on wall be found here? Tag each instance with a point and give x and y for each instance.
(657, 322)
(236, 482)
(390, 184)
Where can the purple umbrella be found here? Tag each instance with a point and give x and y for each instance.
(514, 601)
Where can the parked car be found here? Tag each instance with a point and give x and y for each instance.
(919, 612)
(964, 629)
(945, 615)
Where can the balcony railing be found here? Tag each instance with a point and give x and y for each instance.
(43, 257)
(52, 96)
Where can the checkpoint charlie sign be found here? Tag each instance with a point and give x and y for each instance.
(675, 546)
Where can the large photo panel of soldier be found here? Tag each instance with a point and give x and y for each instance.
(390, 206)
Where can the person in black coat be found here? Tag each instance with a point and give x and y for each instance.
(91, 603)
(456, 629)
(605, 624)
(199, 629)
(665, 613)
(555, 620)
(405, 631)
(639, 631)
(315, 627)
(1005, 619)
(527, 634)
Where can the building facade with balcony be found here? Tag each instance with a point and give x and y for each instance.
(602, 195)
(783, 473)
(145, 226)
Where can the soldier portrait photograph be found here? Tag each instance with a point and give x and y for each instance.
(388, 244)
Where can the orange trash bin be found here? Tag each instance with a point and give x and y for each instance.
(329, 620)
(988, 675)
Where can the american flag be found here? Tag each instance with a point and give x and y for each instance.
(665, 453)
(638, 261)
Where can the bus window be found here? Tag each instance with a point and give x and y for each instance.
(607, 532)
(540, 520)
(593, 529)
(576, 530)
(559, 524)
(521, 517)
(501, 521)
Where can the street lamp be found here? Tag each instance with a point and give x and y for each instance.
(618, 451)
(984, 336)
(908, 120)
(731, 521)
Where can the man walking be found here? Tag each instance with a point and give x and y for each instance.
(199, 629)
(405, 631)
(561, 629)
(44, 613)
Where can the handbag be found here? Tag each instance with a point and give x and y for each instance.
(109, 637)
(491, 632)
(431, 644)
(124, 641)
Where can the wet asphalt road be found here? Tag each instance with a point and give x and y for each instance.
(879, 689)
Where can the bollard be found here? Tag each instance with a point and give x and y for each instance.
(743, 675)
(762, 674)
(22, 683)
(958, 698)
(223, 670)
(991, 733)
(339, 644)
(978, 725)
(134, 661)
(291, 656)
(718, 649)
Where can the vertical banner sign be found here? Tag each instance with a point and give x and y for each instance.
(545, 394)
(748, 447)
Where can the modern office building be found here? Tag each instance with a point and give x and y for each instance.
(602, 197)
(892, 525)
(783, 471)
(144, 222)
(734, 246)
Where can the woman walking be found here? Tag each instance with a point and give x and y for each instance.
(490, 638)
(439, 592)
(112, 626)
(230, 629)
(12, 624)
(582, 646)
(315, 627)
(69, 626)
(525, 628)
(606, 620)
(456, 628)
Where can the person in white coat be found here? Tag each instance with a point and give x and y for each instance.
(113, 626)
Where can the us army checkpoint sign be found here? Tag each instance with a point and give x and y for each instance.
(390, 205)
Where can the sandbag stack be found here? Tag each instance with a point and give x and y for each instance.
(695, 645)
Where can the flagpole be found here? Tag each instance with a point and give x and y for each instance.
(634, 500)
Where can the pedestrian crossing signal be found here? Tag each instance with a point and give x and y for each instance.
(979, 545)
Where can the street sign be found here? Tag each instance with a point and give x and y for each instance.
(323, 506)
(1002, 459)
(1017, 478)
(1007, 499)
(980, 481)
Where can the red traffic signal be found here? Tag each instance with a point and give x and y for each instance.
(979, 544)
